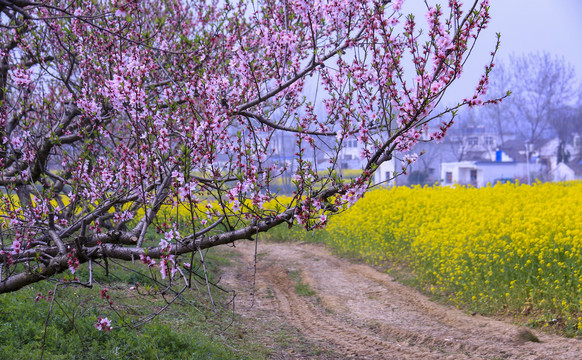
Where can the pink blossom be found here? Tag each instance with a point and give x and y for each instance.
(444, 42)
(89, 106)
(397, 4)
(165, 245)
(105, 295)
(123, 216)
(167, 266)
(22, 78)
(73, 261)
(147, 260)
(103, 324)
(435, 87)
(410, 158)
(16, 247)
(235, 206)
(16, 142)
(178, 176)
(169, 236)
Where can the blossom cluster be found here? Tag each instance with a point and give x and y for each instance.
(105, 295)
(72, 261)
(103, 324)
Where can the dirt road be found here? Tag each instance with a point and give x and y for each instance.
(360, 313)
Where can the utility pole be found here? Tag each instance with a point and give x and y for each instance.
(527, 162)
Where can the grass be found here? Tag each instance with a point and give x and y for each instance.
(189, 329)
(525, 335)
(301, 288)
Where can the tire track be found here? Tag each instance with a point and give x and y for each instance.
(365, 314)
(302, 314)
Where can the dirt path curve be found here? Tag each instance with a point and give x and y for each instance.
(361, 313)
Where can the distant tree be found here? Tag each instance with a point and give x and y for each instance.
(465, 125)
(498, 117)
(565, 123)
(119, 117)
(542, 87)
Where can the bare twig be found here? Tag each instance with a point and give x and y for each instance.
(48, 315)
(206, 276)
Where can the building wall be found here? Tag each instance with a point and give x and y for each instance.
(479, 174)
(454, 172)
(384, 173)
(563, 173)
(493, 172)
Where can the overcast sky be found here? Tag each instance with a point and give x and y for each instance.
(527, 26)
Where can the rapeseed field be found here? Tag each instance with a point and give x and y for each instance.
(511, 248)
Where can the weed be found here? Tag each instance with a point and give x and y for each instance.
(301, 288)
(525, 335)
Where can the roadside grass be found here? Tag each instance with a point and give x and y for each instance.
(284, 233)
(301, 288)
(62, 326)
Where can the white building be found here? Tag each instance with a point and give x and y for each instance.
(385, 173)
(349, 158)
(480, 173)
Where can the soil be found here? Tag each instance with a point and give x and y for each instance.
(357, 312)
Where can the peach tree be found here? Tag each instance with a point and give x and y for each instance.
(146, 130)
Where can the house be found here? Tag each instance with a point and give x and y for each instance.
(385, 173)
(467, 144)
(513, 160)
(567, 172)
(482, 172)
(427, 168)
(349, 160)
(562, 172)
(349, 155)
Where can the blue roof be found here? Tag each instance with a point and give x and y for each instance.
(486, 162)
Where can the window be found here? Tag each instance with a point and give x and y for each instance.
(474, 177)
(351, 143)
(472, 141)
(489, 140)
(448, 177)
(387, 175)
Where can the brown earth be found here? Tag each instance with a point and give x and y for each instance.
(358, 312)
